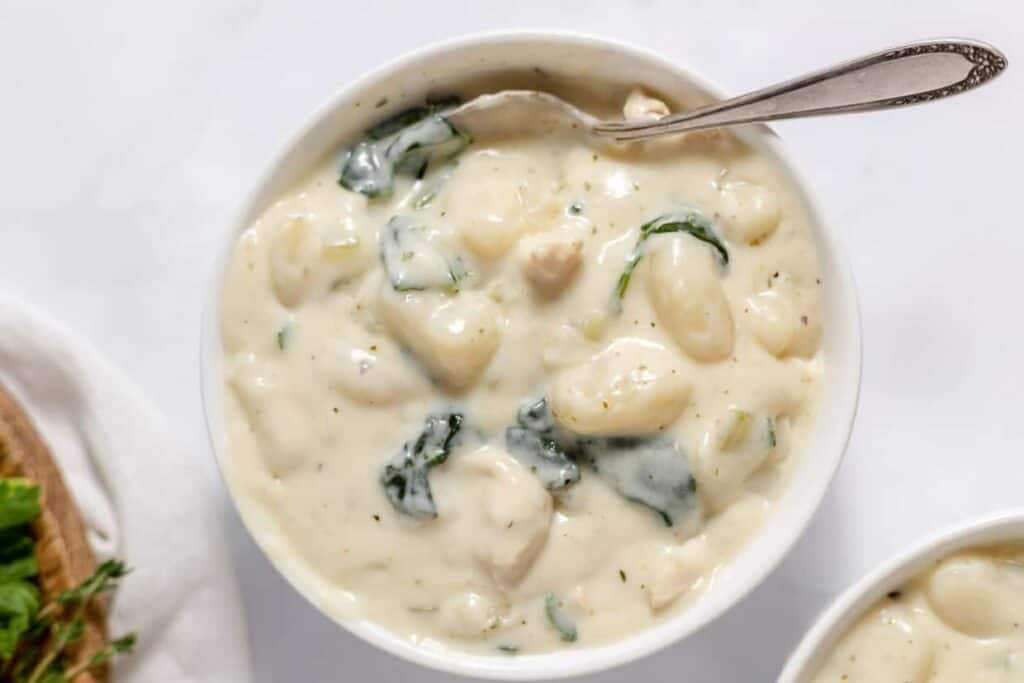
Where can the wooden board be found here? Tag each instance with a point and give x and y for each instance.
(65, 558)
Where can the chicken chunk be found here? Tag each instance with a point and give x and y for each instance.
(642, 107)
(550, 261)
(500, 508)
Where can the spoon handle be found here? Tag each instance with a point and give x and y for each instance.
(909, 74)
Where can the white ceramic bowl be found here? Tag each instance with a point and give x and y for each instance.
(407, 81)
(833, 624)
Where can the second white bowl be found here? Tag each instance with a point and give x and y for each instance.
(837, 620)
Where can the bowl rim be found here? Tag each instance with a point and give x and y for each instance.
(835, 620)
(650, 640)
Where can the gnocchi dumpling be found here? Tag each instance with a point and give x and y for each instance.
(977, 595)
(687, 294)
(779, 324)
(677, 570)
(294, 252)
(279, 419)
(751, 212)
(468, 615)
(632, 386)
(454, 337)
(886, 640)
(309, 251)
(772, 320)
(494, 197)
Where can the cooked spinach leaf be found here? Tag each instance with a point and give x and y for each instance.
(536, 414)
(408, 117)
(413, 262)
(649, 471)
(402, 119)
(690, 222)
(534, 443)
(558, 619)
(405, 478)
(404, 144)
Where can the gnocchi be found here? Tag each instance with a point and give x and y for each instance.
(630, 387)
(688, 297)
(311, 251)
(751, 212)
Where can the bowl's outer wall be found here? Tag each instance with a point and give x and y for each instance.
(408, 81)
(848, 608)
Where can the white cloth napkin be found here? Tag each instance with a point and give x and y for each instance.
(132, 482)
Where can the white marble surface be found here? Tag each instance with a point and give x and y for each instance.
(130, 130)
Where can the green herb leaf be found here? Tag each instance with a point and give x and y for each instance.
(558, 619)
(71, 632)
(19, 502)
(283, 335)
(114, 647)
(104, 579)
(19, 604)
(405, 478)
(17, 555)
(690, 222)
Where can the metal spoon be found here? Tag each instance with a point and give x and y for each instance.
(908, 74)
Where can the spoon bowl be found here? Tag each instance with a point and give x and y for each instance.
(897, 77)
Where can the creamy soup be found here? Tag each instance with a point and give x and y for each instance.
(514, 394)
(961, 621)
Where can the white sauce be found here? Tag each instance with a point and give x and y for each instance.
(959, 622)
(519, 245)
